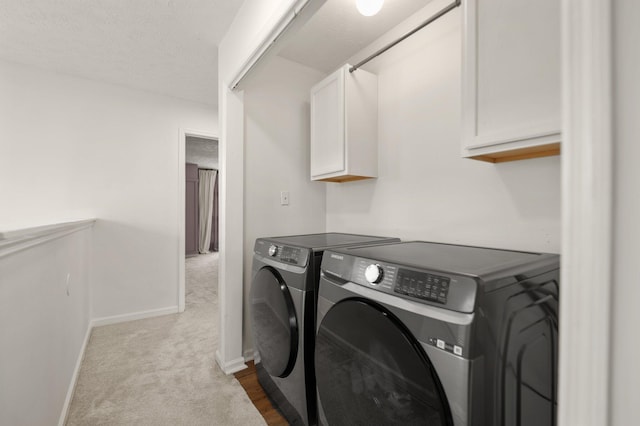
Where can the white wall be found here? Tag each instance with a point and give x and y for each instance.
(72, 147)
(42, 329)
(277, 159)
(625, 369)
(425, 190)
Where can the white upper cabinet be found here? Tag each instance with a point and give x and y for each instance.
(344, 128)
(511, 79)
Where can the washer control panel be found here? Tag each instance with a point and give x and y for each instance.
(422, 285)
(374, 274)
(431, 287)
(407, 282)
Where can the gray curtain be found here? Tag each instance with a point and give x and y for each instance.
(206, 186)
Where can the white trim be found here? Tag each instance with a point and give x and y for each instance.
(251, 355)
(232, 366)
(74, 377)
(182, 147)
(586, 214)
(15, 240)
(97, 322)
(230, 271)
(268, 41)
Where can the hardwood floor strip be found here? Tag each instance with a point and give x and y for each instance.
(249, 381)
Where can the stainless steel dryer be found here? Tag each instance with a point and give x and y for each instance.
(432, 334)
(283, 311)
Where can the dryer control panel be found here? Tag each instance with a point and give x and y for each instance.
(282, 253)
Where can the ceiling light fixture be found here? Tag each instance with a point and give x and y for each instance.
(369, 7)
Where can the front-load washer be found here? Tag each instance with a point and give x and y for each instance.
(283, 311)
(422, 333)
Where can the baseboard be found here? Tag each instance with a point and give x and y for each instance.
(232, 366)
(74, 376)
(251, 355)
(96, 322)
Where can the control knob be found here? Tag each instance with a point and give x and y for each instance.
(273, 250)
(374, 273)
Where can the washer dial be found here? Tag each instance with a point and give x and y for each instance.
(374, 273)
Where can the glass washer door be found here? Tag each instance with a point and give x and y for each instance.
(273, 317)
(370, 370)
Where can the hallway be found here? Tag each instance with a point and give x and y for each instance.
(161, 371)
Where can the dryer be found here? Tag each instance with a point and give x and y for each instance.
(423, 333)
(283, 311)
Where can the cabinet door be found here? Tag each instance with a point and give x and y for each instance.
(511, 86)
(327, 126)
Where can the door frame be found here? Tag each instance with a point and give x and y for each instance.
(182, 155)
(587, 182)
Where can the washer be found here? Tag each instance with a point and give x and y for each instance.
(437, 334)
(283, 311)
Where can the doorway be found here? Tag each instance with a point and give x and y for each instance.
(198, 218)
(201, 194)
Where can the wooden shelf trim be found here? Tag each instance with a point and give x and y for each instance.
(520, 154)
(345, 178)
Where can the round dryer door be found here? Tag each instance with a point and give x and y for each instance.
(371, 370)
(275, 328)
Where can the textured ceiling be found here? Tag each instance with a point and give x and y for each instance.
(164, 46)
(203, 152)
(338, 31)
(170, 46)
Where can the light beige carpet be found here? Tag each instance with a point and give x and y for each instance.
(161, 371)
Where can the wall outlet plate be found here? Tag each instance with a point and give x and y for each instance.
(284, 198)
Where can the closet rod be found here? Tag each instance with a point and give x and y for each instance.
(444, 11)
